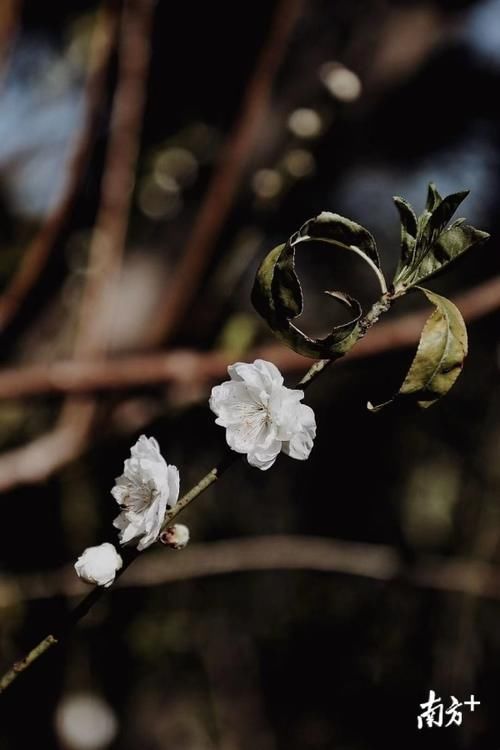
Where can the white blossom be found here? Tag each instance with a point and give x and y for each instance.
(176, 536)
(147, 487)
(261, 416)
(98, 565)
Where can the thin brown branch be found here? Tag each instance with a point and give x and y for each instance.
(376, 562)
(227, 178)
(10, 13)
(201, 369)
(48, 453)
(38, 253)
(109, 236)
(9, 18)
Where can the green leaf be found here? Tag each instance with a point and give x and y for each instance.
(431, 224)
(447, 247)
(286, 288)
(433, 198)
(408, 229)
(432, 246)
(262, 295)
(329, 227)
(444, 211)
(440, 355)
(277, 293)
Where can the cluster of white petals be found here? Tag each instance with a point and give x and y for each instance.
(99, 565)
(147, 487)
(261, 416)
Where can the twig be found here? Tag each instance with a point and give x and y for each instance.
(29, 659)
(37, 254)
(205, 482)
(184, 367)
(220, 195)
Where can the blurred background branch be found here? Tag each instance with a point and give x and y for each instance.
(199, 370)
(230, 170)
(277, 552)
(36, 255)
(67, 439)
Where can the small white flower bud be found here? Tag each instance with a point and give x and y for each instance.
(176, 536)
(99, 565)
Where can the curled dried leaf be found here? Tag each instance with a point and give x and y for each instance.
(277, 293)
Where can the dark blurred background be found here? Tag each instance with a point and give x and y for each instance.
(150, 155)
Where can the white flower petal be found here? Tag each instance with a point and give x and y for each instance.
(259, 376)
(231, 402)
(284, 406)
(146, 541)
(246, 435)
(244, 372)
(129, 530)
(146, 448)
(264, 458)
(173, 485)
(301, 443)
(270, 371)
